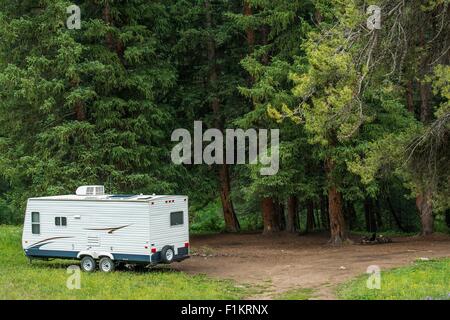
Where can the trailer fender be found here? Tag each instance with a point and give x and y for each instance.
(95, 255)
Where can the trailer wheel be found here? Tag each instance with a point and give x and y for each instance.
(106, 264)
(167, 254)
(87, 264)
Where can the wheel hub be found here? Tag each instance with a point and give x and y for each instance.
(106, 266)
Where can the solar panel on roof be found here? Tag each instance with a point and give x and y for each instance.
(122, 196)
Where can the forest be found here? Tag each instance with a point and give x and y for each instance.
(363, 110)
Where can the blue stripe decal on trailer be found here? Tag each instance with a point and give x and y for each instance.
(131, 257)
(35, 252)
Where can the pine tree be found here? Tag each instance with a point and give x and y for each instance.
(86, 106)
(274, 32)
(208, 51)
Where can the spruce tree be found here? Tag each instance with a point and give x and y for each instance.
(86, 106)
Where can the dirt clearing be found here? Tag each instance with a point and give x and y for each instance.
(282, 262)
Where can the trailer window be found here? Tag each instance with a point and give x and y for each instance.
(60, 221)
(35, 223)
(176, 218)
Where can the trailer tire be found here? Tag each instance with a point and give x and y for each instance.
(87, 264)
(167, 254)
(106, 265)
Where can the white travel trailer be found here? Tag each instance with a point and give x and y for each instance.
(107, 229)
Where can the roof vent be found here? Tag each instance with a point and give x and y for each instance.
(90, 191)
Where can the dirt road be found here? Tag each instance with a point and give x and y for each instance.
(285, 261)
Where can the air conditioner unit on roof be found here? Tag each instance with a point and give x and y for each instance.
(90, 191)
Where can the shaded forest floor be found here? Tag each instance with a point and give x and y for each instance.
(281, 263)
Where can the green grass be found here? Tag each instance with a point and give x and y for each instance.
(296, 294)
(47, 279)
(422, 280)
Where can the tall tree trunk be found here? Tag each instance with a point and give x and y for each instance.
(394, 214)
(425, 112)
(424, 206)
(337, 222)
(351, 214)
(279, 219)
(114, 44)
(250, 33)
(79, 110)
(410, 96)
(447, 218)
(265, 41)
(371, 223)
(309, 216)
(108, 20)
(268, 210)
(317, 221)
(281, 216)
(265, 60)
(424, 196)
(379, 219)
(292, 214)
(324, 212)
(318, 16)
(276, 216)
(424, 87)
(231, 221)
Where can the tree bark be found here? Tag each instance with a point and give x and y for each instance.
(265, 61)
(309, 216)
(371, 223)
(424, 197)
(337, 222)
(265, 41)
(410, 96)
(394, 214)
(379, 219)
(276, 216)
(292, 214)
(281, 216)
(79, 111)
(324, 212)
(113, 44)
(107, 18)
(268, 209)
(231, 221)
(424, 87)
(425, 112)
(424, 206)
(447, 218)
(250, 33)
(318, 16)
(351, 214)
